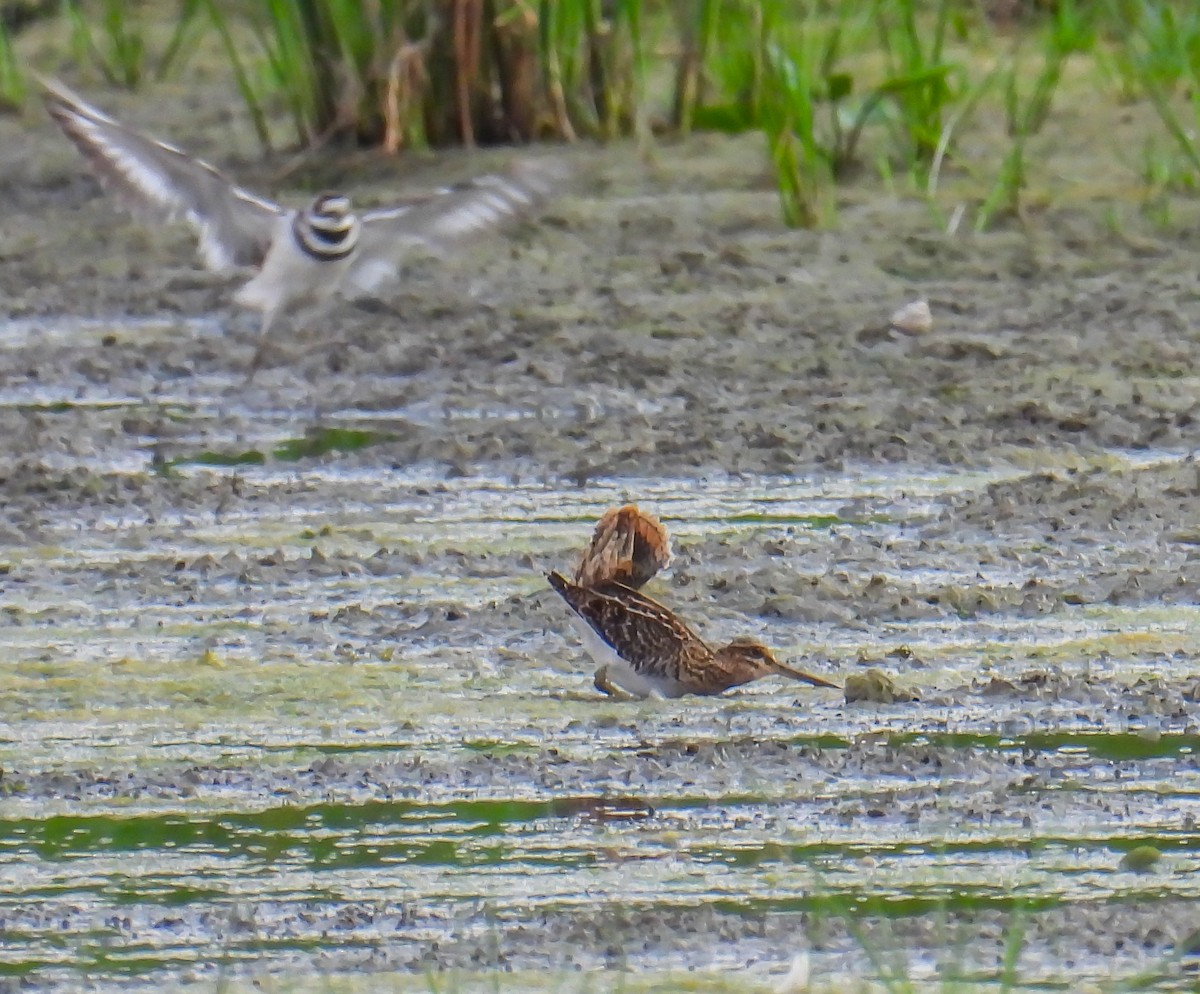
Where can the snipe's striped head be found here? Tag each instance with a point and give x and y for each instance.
(746, 659)
(753, 652)
(327, 229)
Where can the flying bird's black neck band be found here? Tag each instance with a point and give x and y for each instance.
(322, 244)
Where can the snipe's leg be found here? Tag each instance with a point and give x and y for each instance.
(603, 684)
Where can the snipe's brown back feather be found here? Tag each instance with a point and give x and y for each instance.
(641, 631)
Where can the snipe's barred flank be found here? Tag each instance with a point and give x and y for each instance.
(298, 258)
(642, 647)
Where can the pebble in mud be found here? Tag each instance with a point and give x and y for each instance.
(913, 319)
(1142, 859)
(876, 687)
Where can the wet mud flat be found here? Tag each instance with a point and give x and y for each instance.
(285, 698)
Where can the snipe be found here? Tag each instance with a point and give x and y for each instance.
(642, 647)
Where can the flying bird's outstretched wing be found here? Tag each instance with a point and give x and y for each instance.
(235, 226)
(448, 217)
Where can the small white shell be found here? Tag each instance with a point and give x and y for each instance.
(913, 318)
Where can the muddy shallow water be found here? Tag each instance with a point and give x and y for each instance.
(284, 692)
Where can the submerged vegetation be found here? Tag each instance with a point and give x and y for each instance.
(833, 85)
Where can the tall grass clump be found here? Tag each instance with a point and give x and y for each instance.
(696, 23)
(1159, 55)
(921, 80)
(328, 62)
(794, 57)
(833, 85)
(721, 67)
(112, 37)
(594, 56)
(823, 84)
(1071, 29)
(1152, 45)
(12, 81)
(802, 169)
(414, 72)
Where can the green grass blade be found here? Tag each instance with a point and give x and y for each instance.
(249, 96)
(12, 81)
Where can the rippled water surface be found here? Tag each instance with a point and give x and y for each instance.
(256, 739)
